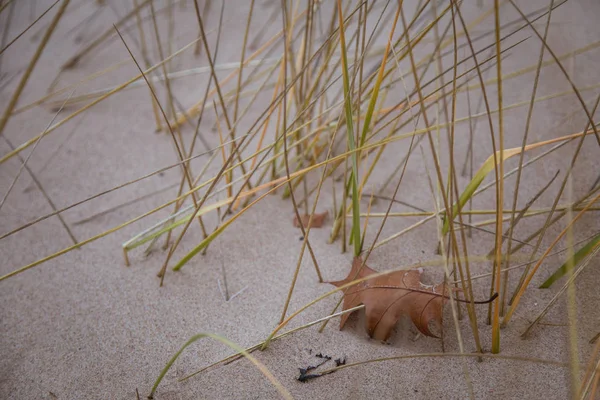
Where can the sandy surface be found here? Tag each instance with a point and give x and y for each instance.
(84, 326)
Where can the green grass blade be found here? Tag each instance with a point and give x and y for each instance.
(576, 259)
(351, 144)
(375, 93)
(486, 168)
(202, 245)
(222, 227)
(469, 190)
(146, 237)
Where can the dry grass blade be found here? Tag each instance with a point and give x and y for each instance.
(528, 279)
(131, 182)
(29, 27)
(450, 355)
(91, 104)
(73, 61)
(286, 31)
(38, 184)
(30, 67)
(24, 163)
(184, 166)
(499, 191)
(563, 70)
(7, 24)
(584, 262)
(555, 203)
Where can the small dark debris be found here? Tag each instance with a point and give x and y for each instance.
(306, 377)
(305, 373)
(301, 238)
(340, 361)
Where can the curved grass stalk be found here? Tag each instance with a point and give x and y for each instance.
(449, 355)
(154, 231)
(282, 390)
(235, 356)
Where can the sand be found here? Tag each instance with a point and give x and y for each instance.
(85, 326)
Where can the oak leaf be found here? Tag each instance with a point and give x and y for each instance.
(387, 298)
(317, 221)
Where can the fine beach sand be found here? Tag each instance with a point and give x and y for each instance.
(85, 326)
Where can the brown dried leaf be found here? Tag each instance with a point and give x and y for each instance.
(387, 298)
(317, 221)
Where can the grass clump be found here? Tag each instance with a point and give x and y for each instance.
(351, 89)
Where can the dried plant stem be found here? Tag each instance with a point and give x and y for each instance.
(26, 29)
(44, 193)
(30, 67)
(499, 191)
(73, 61)
(521, 157)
